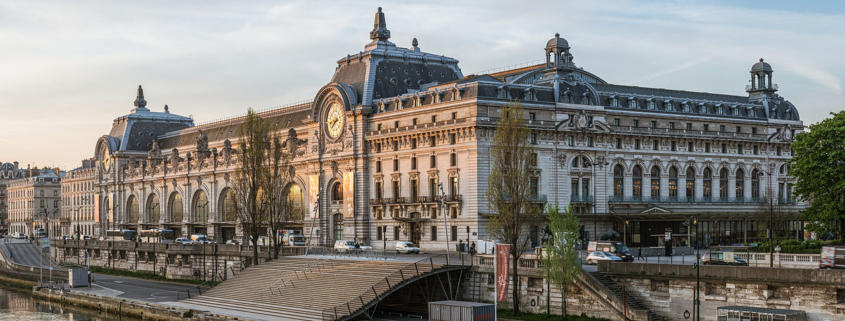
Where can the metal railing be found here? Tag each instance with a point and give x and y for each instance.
(383, 287)
(581, 199)
(288, 278)
(373, 254)
(681, 199)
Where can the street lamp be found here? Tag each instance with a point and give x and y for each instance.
(445, 218)
(771, 219)
(78, 235)
(595, 216)
(697, 305)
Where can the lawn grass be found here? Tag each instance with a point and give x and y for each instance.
(143, 275)
(524, 316)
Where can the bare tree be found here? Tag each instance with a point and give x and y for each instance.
(509, 191)
(250, 200)
(279, 175)
(774, 213)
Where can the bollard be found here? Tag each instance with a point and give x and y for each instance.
(189, 293)
(199, 290)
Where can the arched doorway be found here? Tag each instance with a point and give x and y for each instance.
(132, 211)
(200, 208)
(153, 210)
(228, 215)
(175, 208)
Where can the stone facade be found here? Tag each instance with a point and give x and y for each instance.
(78, 201)
(8, 172)
(35, 202)
(408, 157)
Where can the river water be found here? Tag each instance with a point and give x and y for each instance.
(18, 304)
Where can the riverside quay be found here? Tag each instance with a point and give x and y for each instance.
(396, 147)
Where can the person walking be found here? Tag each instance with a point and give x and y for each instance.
(640, 254)
(11, 256)
(472, 248)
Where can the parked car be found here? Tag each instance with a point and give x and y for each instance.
(350, 246)
(407, 247)
(182, 240)
(19, 235)
(85, 237)
(199, 239)
(617, 248)
(263, 241)
(66, 237)
(233, 242)
(722, 258)
(596, 256)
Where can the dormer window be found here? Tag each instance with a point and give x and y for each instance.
(736, 111)
(668, 105)
(632, 104)
(702, 109)
(651, 105)
(614, 102)
(719, 111)
(752, 113)
(686, 108)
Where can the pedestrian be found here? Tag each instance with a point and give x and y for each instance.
(640, 254)
(471, 248)
(11, 255)
(460, 245)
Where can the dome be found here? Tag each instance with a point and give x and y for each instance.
(761, 66)
(557, 42)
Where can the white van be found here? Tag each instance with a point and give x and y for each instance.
(407, 247)
(345, 246)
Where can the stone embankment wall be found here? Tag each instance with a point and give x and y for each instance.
(668, 289)
(175, 261)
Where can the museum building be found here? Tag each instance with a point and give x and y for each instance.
(395, 147)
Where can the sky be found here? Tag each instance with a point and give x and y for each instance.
(69, 68)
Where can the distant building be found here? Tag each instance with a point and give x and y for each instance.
(78, 201)
(396, 126)
(8, 172)
(35, 202)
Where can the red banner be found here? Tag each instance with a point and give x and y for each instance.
(503, 255)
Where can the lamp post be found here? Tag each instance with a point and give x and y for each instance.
(78, 235)
(595, 215)
(771, 219)
(313, 220)
(44, 217)
(697, 267)
(445, 219)
(150, 210)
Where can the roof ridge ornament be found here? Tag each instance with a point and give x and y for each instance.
(380, 32)
(139, 99)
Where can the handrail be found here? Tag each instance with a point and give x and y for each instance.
(332, 313)
(285, 278)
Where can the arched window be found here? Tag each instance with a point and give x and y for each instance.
(651, 105)
(337, 191)
(296, 203)
(227, 206)
(723, 184)
(617, 182)
(755, 185)
(708, 184)
(740, 184)
(200, 207)
(673, 183)
(575, 162)
(614, 102)
(637, 182)
(338, 227)
(176, 208)
(655, 183)
(132, 212)
(690, 183)
(153, 209)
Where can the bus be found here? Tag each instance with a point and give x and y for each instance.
(157, 235)
(118, 235)
(40, 233)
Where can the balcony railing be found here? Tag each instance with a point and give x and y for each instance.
(454, 198)
(788, 201)
(398, 200)
(537, 198)
(581, 199)
(679, 199)
(379, 201)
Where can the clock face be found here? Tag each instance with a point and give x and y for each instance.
(335, 119)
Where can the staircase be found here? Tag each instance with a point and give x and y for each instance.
(630, 300)
(305, 288)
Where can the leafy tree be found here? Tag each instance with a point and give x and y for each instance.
(250, 199)
(509, 189)
(819, 168)
(561, 260)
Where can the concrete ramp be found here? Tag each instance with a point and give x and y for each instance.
(313, 288)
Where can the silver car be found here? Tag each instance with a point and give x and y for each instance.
(407, 247)
(596, 256)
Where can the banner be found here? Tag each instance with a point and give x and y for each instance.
(111, 206)
(503, 255)
(348, 195)
(313, 193)
(97, 211)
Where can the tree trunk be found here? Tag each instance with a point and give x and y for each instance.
(515, 281)
(841, 230)
(563, 303)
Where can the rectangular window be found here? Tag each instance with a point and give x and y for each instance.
(590, 141)
(453, 138)
(653, 124)
(778, 150)
(434, 233)
(619, 143)
(433, 118)
(432, 140)
(395, 165)
(533, 139)
(378, 233)
(689, 147)
(674, 146)
(433, 161)
(432, 188)
(454, 235)
(454, 115)
(532, 116)
(395, 145)
(706, 127)
(415, 190)
(379, 190)
(689, 126)
(571, 140)
(413, 143)
(378, 147)
(636, 123)
(756, 151)
(396, 232)
(378, 166)
(706, 147)
(724, 148)
(753, 130)
(413, 163)
(722, 128)
(671, 125)
(654, 145)
(378, 127)
(533, 159)
(739, 149)
(738, 129)
(616, 122)
(453, 160)
(413, 121)
(396, 124)
(534, 186)
(636, 144)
